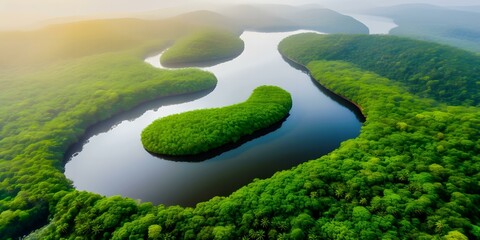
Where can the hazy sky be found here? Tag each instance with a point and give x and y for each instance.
(64, 7)
(23, 12)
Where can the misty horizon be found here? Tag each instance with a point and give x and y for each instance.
(23, 14)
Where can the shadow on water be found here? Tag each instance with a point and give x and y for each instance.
(335, 97)
(224, 148)
(106, 125)
(115, 162)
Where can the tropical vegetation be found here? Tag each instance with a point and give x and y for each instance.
(204, 46)
(59, 80)
(413, 172)
(202, 130)
(48, 104)
(443, 73)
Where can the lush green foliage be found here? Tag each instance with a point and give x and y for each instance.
(35, 134)
(431, 70)
(47, 109)
(412, 173)
(202, 130)
(57, 81)
(203, 46)
(80, 39)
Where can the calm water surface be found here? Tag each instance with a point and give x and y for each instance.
(112, 161)
(375, 24)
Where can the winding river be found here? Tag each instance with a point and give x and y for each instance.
(111, 160)
(375, 24)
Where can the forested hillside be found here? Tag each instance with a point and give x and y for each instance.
(412, 173)
(46, 111)
(275, 17)
(58, 81)
(203, 47)
(51, 94)
(446, 74)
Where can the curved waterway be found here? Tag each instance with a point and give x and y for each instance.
(111, 159)
(375, 24)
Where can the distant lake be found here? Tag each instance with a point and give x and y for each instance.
(110, 160)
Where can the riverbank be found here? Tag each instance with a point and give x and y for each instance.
(321, 127)
(201, 48)
(319, 81)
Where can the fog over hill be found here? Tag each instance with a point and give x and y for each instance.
(456, 26)
(15, 14)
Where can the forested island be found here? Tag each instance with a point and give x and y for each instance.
(199, 131)
(412, 173)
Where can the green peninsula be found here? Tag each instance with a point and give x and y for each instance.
(202, 130)
(202, 47)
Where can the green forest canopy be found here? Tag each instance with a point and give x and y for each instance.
(446, 74)
(207, 45)
(48, 103)
(202, 130)
(411, 173)
(398, 179)
(59, 80)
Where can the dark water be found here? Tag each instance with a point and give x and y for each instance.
(112, 161)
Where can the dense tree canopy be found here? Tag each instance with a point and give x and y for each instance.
(59, 80)
(202, 47)
(412, 173)
(446, 74)
(45, 110)
(202, 130)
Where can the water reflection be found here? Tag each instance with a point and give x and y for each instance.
(130, 116)
(114, 162)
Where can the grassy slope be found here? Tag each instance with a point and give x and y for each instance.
(79, 39)
(203, 46)
(206, 129)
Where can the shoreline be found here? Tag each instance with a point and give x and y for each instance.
(105, 125)
(200, 157)
(304, 69)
